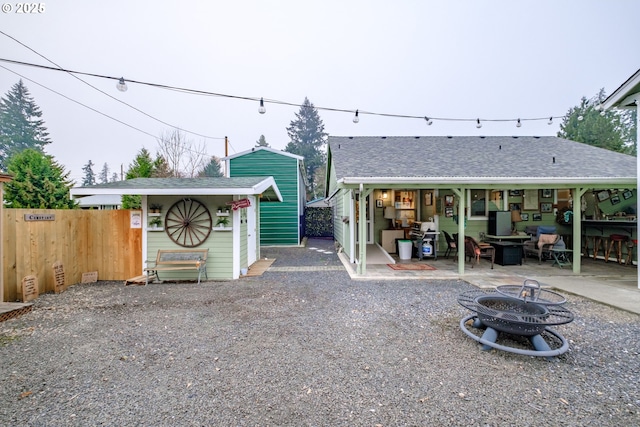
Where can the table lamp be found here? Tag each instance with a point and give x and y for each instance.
(515, 218)
(390, 213)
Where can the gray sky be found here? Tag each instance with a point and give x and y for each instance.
(449, 59)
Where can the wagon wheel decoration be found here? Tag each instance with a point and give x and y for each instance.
(188, 223)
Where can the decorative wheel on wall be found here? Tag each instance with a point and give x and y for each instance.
(188, 223)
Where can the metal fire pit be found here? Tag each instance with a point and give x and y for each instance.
(525, 311)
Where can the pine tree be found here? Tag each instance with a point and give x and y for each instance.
(89, 177)
(20, 124)
(38, 182)
(212, 169)
(104, 174)
(142, 167)
(115, 177)
(262, 142)
(307, 140)
(611, 129)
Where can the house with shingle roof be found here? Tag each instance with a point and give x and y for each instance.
(455, 181)
(219, 214)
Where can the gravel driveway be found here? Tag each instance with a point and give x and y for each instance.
(302, 348)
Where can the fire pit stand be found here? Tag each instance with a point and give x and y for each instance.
(525, 311)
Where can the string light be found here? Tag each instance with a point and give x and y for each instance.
(356, 119)
(550, 122)
(262, 108)
(518, 124)
(122, 85)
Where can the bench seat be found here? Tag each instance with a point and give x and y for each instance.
(178, 260)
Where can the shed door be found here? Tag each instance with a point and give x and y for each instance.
(252, 232)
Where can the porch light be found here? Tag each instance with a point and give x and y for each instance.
(262, 108)
(384, 194)
(356, 119)
(121, 85)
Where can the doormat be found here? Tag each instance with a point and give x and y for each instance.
(259, 267)
(412, 266)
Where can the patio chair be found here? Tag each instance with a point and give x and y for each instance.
(452, 245)
(541, 247)
(474, 251)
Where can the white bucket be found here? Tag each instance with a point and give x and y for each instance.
(243, 271)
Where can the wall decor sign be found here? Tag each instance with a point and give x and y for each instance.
(39, 217)
(603, 195)
(530, 200)
(546, 207)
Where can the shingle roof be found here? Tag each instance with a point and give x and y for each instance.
(186, 186)
(475, 157)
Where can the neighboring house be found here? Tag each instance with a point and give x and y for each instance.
(628, 96)
(102, 202)
(455, 181)
(281, 223)
(191, 211)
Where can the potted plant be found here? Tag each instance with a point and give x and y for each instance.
(155, 222)
(155, 208)
(222, 222)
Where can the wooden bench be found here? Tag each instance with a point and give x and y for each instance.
(178, 260)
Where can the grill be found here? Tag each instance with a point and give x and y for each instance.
(424, 236)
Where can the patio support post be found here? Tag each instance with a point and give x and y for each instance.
(362, 231)
(462, 196)
(577, 229)
(637, 102)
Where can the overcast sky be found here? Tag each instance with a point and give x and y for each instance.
(447, 59)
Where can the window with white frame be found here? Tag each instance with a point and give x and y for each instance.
(483, 201)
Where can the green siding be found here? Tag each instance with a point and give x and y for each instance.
(219, 243)
(279, 221)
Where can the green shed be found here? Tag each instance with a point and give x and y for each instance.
(280, 223)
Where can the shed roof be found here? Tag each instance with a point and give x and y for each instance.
(476, 160)
(250, 185)
(272, 150)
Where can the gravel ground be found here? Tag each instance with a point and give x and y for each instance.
(306, 349)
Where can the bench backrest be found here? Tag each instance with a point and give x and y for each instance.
(181, 256)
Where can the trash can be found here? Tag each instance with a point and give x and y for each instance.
(405, 247)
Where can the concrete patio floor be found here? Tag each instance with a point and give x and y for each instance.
(609, 283)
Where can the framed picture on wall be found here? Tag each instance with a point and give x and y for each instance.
(530, 200)
(378, 203)
(514, 207)
(524, 216)
(448, 212)
(627, 194)
(615, 200)
(428, 199)
(546, 207)
(603, 195)
(448, 200)
(515, 192)
(547, 193)
(537, 216)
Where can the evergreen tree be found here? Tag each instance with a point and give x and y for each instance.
(613, 130)
(115, 177)
(212, 169)
(307, 140)
(142, 167)
(89, 177)
(38, 182)
(104, 174)
(262, 142)
(20, 123)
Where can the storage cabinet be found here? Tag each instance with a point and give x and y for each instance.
(388, 239)
(499, 223)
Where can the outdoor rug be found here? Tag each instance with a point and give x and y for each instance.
(412, 266)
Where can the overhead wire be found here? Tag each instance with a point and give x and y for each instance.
(105, 93)
(279, 102)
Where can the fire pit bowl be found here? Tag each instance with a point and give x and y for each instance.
(511, 315)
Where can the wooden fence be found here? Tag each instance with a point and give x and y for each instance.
(83, 240)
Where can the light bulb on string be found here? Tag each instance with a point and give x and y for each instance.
(262, 108)
(580, 118)
(121, 85)
(356, 119)
(519, 124)
(550, 122)
(478, 124)
(429, 121)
